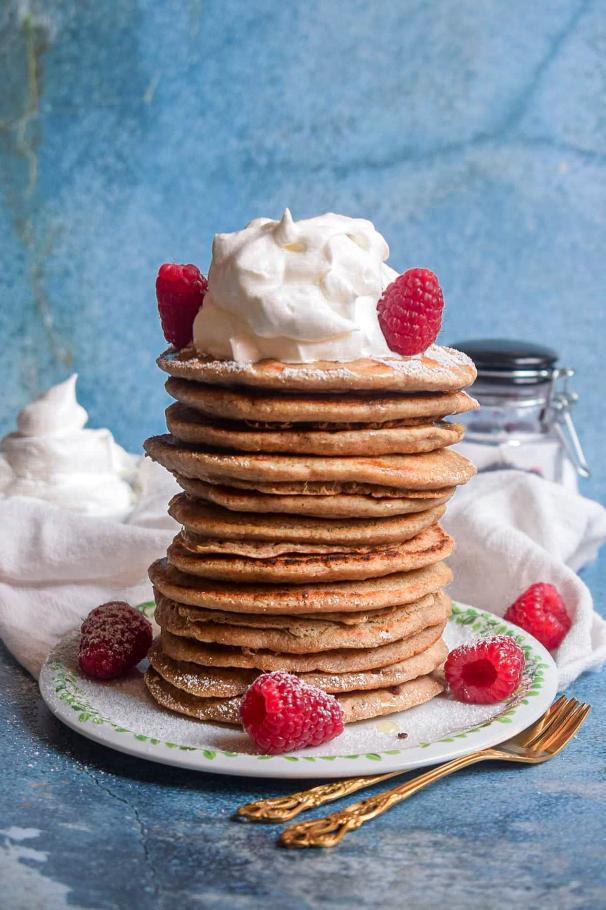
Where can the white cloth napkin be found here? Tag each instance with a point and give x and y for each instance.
(512, 529)
(56, 565)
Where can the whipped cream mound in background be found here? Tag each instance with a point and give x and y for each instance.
(296, 291)
(53, 457)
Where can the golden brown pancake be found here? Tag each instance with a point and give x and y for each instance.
(424, 471)
(429, 546)
(297, 408)
(334, 488)
(439, 369)
(354, 597)
(305, 636)
(355, 705)
(191, 427)
(333, 506)
(340, 660)
(217, 523)
(285, 620)
(222, 682)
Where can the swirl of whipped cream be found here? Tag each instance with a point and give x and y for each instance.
(296, 291)
(53, 457)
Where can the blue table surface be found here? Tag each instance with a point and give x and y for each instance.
(82, 826)
(473, 135)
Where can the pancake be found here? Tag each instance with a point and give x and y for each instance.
(427, 660)
(378, 702)
(180, 646)
(336, 506)
(309, 635)
(355, 597)
(424, 471)
(191, 427)
(261, 549)
(335, 488)
(429, 546)
(356, 705)
(215, 522)
(290, 407)
(439, 369)
(283, 621)
(218, 682)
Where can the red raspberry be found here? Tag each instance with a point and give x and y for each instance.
(180, 291)
(282, 713)
(410, 311)
(540, 611)
(485, 671)
(115, 637)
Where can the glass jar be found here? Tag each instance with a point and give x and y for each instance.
(524, 421)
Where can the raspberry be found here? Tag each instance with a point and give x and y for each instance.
(485, 671)
(410, 311)
(115, 637)
(281, 713)
(540, 611)
(180, 291)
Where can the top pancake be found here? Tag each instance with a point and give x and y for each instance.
(290, 407)
(439, 369)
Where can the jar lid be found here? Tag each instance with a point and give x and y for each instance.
(505, 359)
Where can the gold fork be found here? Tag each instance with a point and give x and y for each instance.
(545, 739)
(284, 808)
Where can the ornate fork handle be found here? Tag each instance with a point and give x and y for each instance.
(283, 808)
(329, 831)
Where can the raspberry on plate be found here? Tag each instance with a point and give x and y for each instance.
(540, 611)
(410, 311)
(281, 713)
(180, 291)
(115, 637)
(485, 671)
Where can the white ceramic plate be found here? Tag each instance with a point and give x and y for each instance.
(121, 715)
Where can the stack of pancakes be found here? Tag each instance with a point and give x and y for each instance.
(310, 539)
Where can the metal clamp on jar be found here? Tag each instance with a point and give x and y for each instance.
(525, 418)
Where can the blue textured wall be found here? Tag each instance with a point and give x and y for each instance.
(472, 134)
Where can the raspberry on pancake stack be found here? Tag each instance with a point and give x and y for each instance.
(308, 436)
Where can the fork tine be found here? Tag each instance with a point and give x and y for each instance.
(541, 723)
(570, 730)
(564, 709)
(556, 706)
(556, 741)
(544, 722)
(555, 729)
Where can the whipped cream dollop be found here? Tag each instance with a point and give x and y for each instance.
(297, 291)
(52, 456)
